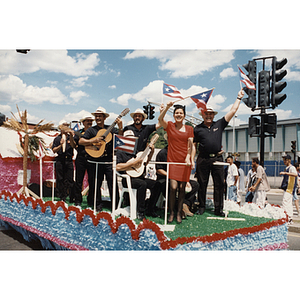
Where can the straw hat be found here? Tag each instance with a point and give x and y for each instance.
(86, 117)
(64, 122)
(101, 110)
(138, 111)
(208, 109)
(128, 133)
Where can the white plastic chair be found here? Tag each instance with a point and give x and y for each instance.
(132, 197)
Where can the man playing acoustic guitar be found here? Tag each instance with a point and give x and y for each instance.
(95, 142)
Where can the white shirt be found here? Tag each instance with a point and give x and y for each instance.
(232, 172)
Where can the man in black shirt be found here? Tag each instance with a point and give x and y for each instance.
(125, 162)
(89, 138)
(63, 145)
(208, 135)
(141, 131)
(81, 159)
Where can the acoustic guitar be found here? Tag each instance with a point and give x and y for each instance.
(137, 172)
(97, 149)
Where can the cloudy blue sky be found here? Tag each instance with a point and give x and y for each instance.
(65, 84)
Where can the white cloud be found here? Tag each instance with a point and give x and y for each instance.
(293, 64)
(75, 116)
(52, 82)
(112, 87)
(80, 81)
(185, 63)
(283, 114)
(76, 96)
(57, 61)
(229, 72)
(5, 109)
(122, 100)
(12, 88)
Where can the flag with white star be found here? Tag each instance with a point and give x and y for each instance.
(201, 99)
(171, 91)
(126, 144)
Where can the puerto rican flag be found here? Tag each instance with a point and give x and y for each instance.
(202, 99)
(244, 78)
(126, 144)
(41, 151)
(76, 127)
(171, 91)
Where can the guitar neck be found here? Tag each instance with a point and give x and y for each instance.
(109, 129)
(145, 153)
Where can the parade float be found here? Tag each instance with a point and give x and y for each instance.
(61, 226)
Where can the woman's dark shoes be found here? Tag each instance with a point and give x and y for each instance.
(171, 218)
(178, 219)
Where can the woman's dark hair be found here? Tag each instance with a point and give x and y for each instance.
(178, 106)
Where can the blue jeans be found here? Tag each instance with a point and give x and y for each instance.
(232, 193)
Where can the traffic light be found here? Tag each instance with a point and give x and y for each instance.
(251, 69)
(293, 146)
(278, 86)
(151, 112)
(270, 124)
(264, 88)
(146, 109)
(254, 126)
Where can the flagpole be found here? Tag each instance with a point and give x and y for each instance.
(114, 177)
(162, 95)
(41, 178)
(180, 99)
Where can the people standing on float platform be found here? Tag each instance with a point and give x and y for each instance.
(208, 137)
(81, 163)
(89, 138)
(140, 130)
(63, 146)
(180, 150)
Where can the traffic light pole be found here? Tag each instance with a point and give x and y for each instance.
(262, 136)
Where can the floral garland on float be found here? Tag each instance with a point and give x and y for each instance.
(59, 226)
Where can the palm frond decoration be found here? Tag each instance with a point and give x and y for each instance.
(31, 142)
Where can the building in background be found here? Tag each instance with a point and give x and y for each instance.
(275, 148)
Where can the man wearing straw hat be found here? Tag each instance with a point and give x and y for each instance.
(81, 159)
(141, 131)
(63, 146)
(208, 135)
(106, 167)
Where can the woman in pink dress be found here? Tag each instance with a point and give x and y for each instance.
(181, 150)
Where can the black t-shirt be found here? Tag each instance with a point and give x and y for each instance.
(143, 135)
(80, 149)
(69, 150)
(210, 139)
(123, 157)
(108, 153)
(161, 157)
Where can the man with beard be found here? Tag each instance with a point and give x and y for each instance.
(105, 167)
(141, 131)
